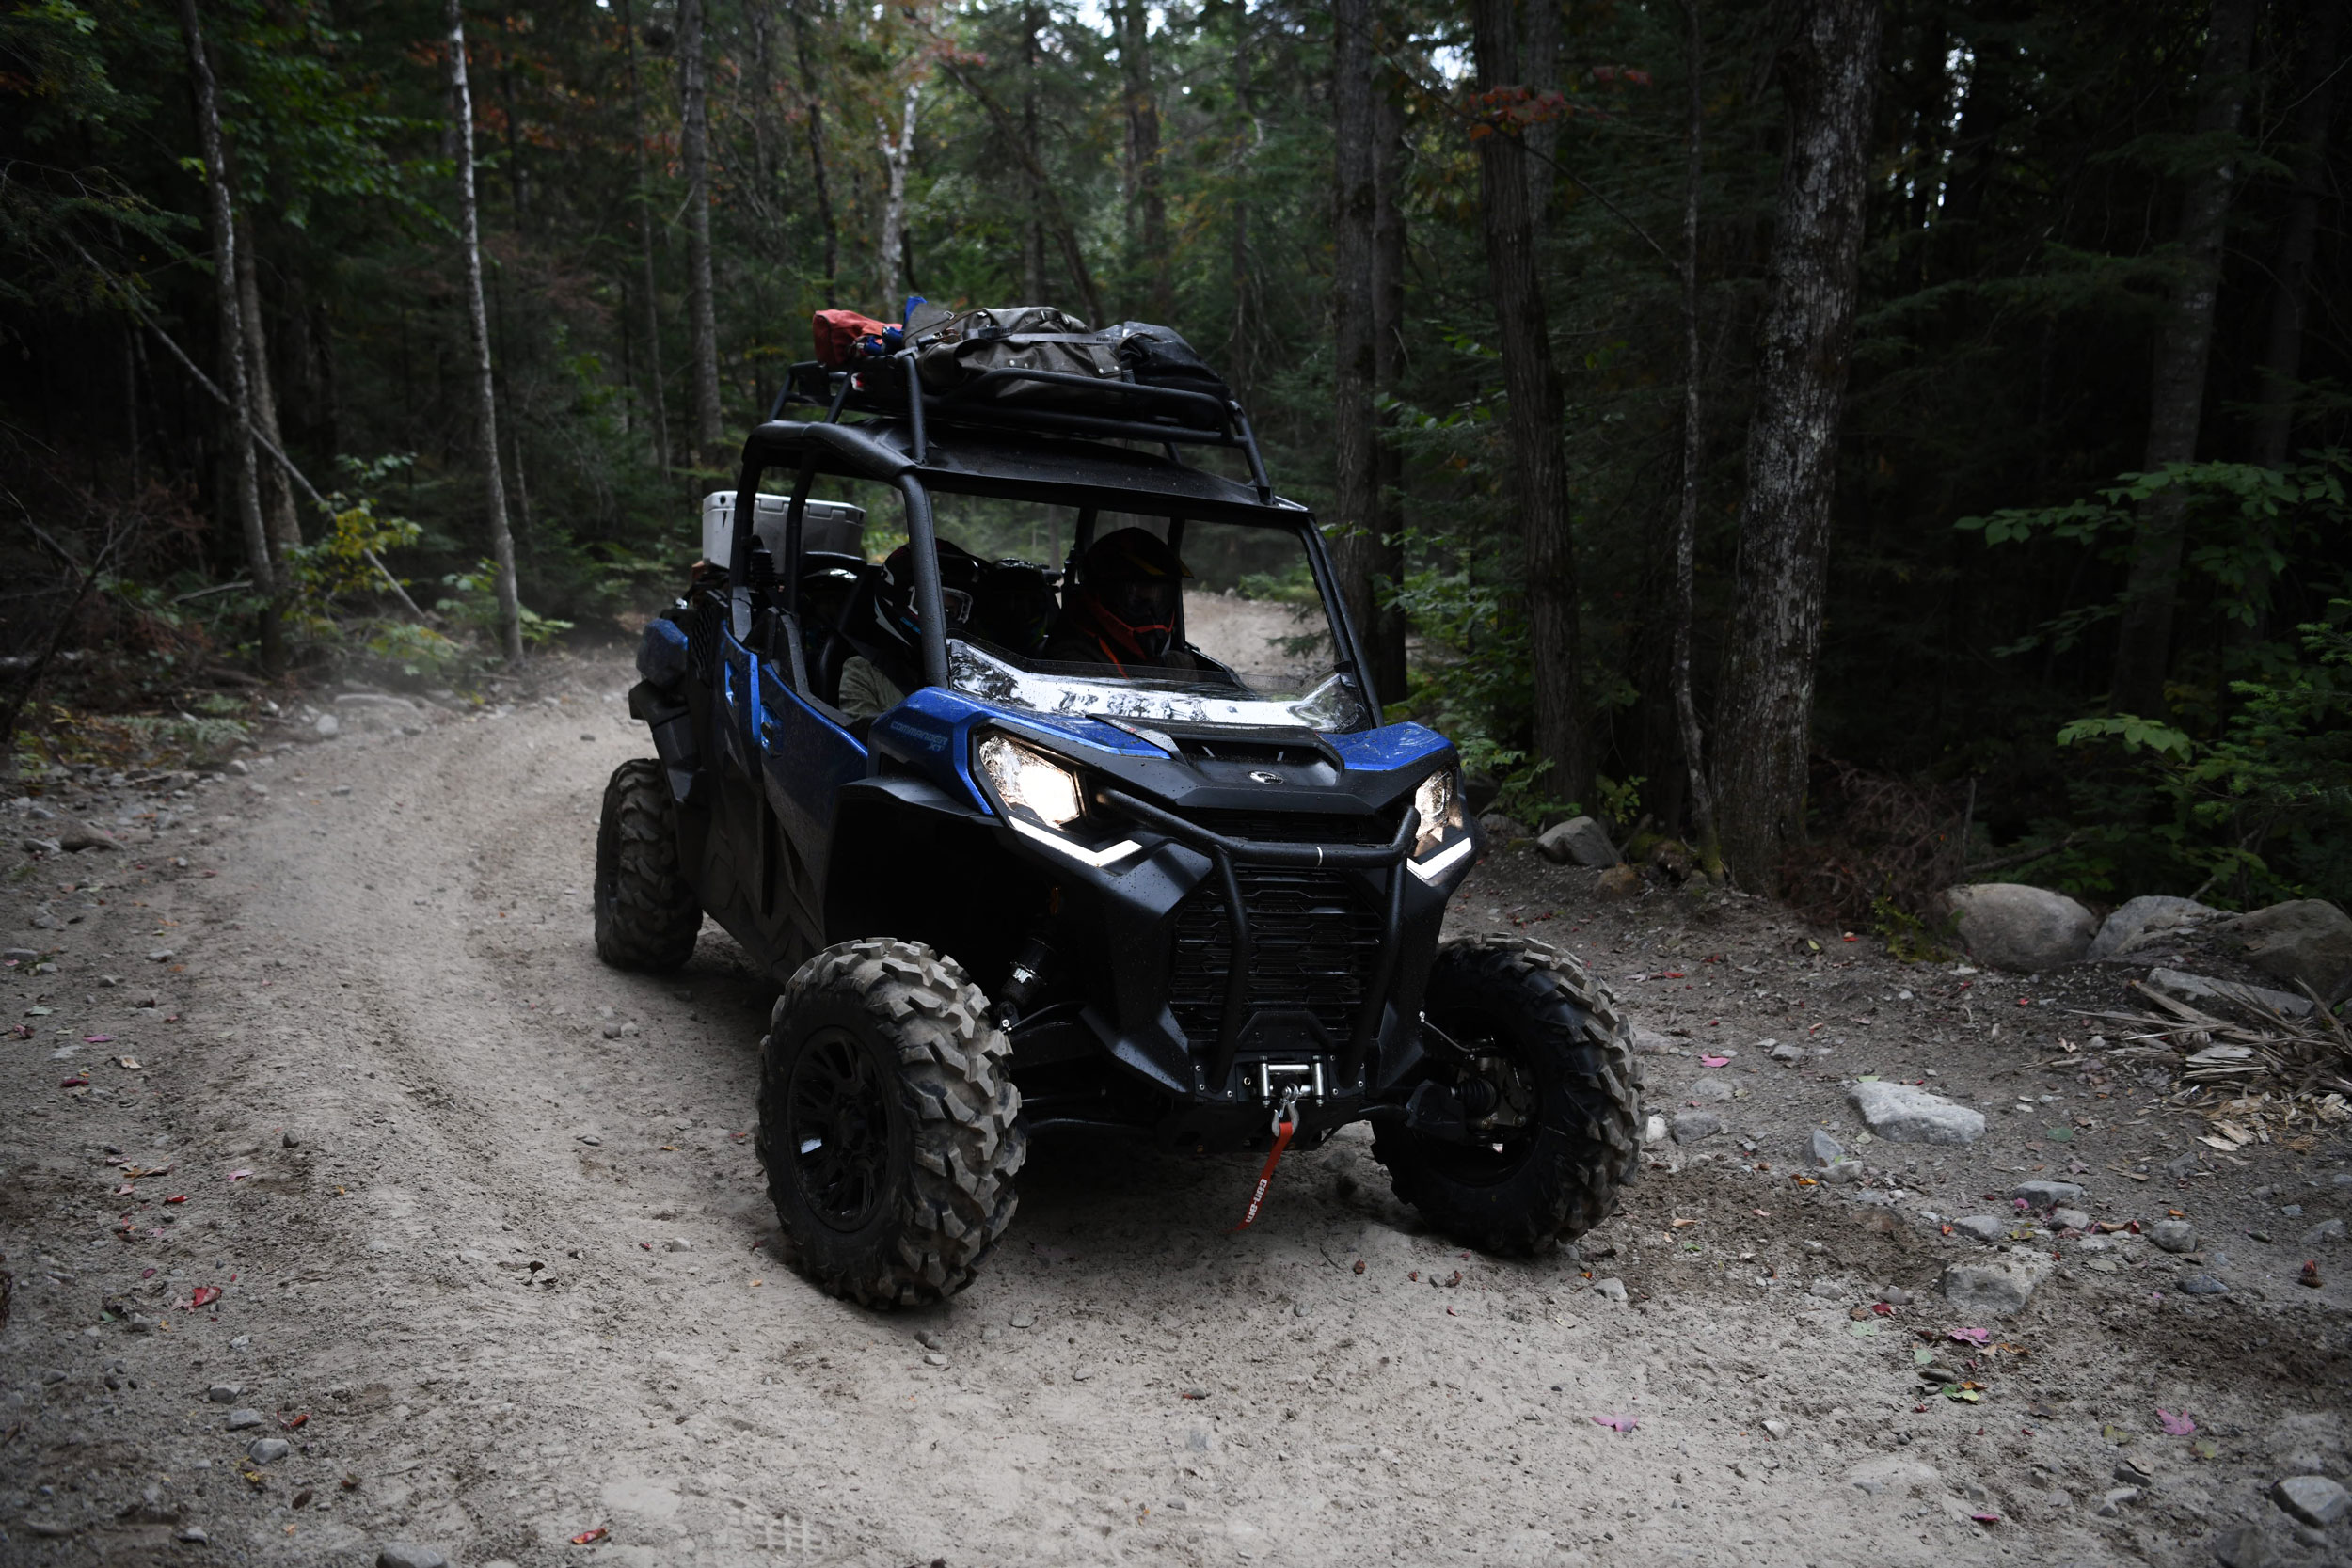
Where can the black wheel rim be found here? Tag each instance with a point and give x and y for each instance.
(1493, 1155)
(837, 1118)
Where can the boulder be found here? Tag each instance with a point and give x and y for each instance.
(2142, 920)
(1902, 1114)
(1619, 882)
(1578, 841)
(1691, 1126)
(1995, 1287)
(2315, 1499)
(2010, 926)
(2307, 940)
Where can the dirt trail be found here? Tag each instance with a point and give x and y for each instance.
(488, 1211)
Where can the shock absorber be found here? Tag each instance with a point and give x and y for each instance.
(1023, 986)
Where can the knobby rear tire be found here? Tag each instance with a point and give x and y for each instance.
(647, 917)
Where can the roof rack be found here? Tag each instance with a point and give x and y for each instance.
(1166, 415)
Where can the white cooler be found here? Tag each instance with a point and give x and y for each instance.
(833, 526)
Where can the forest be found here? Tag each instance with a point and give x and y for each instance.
(1860, 445)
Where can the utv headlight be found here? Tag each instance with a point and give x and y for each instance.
(1440, 802)
(1025, 778)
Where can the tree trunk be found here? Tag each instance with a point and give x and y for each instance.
(658, 396)
(2176, 402)
(1387, 364)
(813, 102)
(1065, 233)
(1033, 225)
(890, 263)
(1355, 523)
(2282, 360)
(243, 463)
(1693, 454)
(1239, 358)
(478, 318)
(1531, 379)
(1148, 200)
(1765, 707)
(279, 519)
(694, 152)
(1542, 68)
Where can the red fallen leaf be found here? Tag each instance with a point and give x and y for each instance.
(1412, 1273)
(239, 1175)
(125, 1190)
(1359, 1265)
(98, 1039)
(181, 1198)
(1881, 1309)
(1986, 1518)
(590, 1536)
(205, 1295)
(147, 1274)
(1615, 1423)
(75, 1084)
(1191, 1395)
(295, 1424)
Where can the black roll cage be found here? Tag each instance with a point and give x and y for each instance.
(1046, 456)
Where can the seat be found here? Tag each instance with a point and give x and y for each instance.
(825, 675)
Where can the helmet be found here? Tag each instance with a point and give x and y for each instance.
(893, 596)
(1129, 595)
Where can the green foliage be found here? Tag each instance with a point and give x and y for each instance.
(474, 603)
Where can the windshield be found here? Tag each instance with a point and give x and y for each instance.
(1155, 618)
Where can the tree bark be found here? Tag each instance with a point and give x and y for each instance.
(1530, 378)
(657, 397)
(701, 311)
(1765, 707)
(1355, 522)
(813, 102)
(1388, 365)
(1033, 225)
(1239, 359)
(279, 519)
(2283, 358)
(890, 261)
(1702, 801)
(1541, 68)
(478, 319)
(2176, 402)
(244, 466)
(1145, 193)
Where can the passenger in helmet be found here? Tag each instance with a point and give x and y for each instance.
(1127, 606)
(889, 659)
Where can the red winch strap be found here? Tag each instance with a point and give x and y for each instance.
(1282, 1131)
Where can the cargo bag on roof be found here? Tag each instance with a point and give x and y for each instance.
(953, 357)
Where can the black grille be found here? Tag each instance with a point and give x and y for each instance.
(1298, 827)
(1314, 944)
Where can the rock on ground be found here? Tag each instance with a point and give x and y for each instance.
(1691, 1126)
(1504, 830)
(2047, 1195)
(407, 1554)
(1580, 841)
(2174, 1235)
(2315, 1499)
(1998, 1287)
(2308, 940)
(2010, 926)
(1984, 1228)
(2142, 920)
(1904, 1114)
(2322, 1233)
(1888, 1473)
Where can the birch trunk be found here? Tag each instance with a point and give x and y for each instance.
(890, 264)
(2176, 401)
(279, 519)
(478, 319)
(1355, 522)
(1530, 377)
(694, 152)
(1765, 708)
(243, 463)
(658, 396)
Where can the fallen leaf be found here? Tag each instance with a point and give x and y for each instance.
(1714, 1061)
(1679, 1224)
(128, 1064)
(2176, 1426)
(75, 1084)
(1971, 1335)
(1986, 1518)
(204, 1295)
(239, 1175)
(1615, 1423)
(590, 1536)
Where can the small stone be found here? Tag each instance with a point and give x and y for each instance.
(1895, 1295)
(932, 1359)
(239, 1420)
(225, 1393)
(1828, 1289)
(677, 1243)
(193, 1536)
(1904, 1114)
(1691, 1126)
(929, 1338)
(2322, 1233)
(1995, 1286)
(1984, 1228)
(2115, 1499)
(2243, 1546)
(327, 726)
(267, 1451)
(2046, 1194)
(1710, 1091)
(2315, 1499)
(1021, 1319)
(2174, 1235)
(1776, 1427)
(404, 1554)
(160, 955)
(239, 767)
(1609, 1289)
(1654, 1130)
(1787, 1053)
(289, 1140)
(2203, 1285)
(2070, 1219)
(1080, 1372)
(1885, 1474)
(1826, 1150)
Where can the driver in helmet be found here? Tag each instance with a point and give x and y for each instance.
(1126, 606)
(872, 685)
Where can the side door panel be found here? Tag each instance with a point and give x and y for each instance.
(804, 760)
